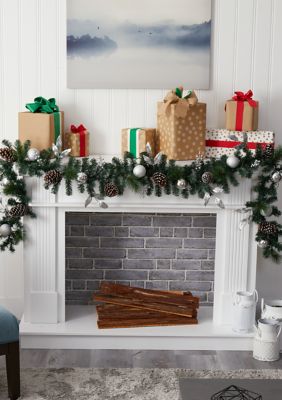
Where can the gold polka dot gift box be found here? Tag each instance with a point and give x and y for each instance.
(135, 140)
(181, 126)
(221, 142)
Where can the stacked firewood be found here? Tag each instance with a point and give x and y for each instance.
(130, 307)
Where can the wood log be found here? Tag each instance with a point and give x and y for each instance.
(177, 309)
(149, 295)
(111, 311)
(113, 288)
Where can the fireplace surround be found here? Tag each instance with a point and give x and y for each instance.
(48, 323)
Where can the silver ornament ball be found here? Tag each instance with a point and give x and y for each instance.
(81, 177)
(181, 184)
(233, 161)
(139, 171)
(5, 230)
(263, 244)
(276, 177)
(33, 154)
(266, 212)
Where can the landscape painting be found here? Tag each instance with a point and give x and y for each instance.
(148, 44)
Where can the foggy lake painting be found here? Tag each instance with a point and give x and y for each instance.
(145, 44)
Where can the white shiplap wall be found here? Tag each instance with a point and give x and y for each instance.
(247, 53)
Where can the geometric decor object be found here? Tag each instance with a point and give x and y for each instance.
(235, 393)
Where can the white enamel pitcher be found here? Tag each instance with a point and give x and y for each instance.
(268, 330)
(244, 311)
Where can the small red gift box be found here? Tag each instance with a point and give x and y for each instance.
(78, 141)
(242, 112)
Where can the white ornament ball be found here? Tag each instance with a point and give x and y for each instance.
(33, 154)
(266, 212)
(5, 230)
(233, 161)
(139, 171)
(181, 184)
(263, 244)
(276, 177)
(81, 177)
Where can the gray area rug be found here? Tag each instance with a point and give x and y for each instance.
(115, 384)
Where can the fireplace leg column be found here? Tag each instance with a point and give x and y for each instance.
(238, 251)
(40, 262)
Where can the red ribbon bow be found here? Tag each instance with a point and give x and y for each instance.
(81, 131)
(241, 96)
(78, 129)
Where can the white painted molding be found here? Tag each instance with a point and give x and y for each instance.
(44, 249)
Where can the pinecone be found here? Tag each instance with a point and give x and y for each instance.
(111, 190)
(19, 210)
(207, 177)
(268, 228)
(8, 154)
(159, 179)
(268, 151)
(52, 177)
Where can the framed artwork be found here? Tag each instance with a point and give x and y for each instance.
(148, 44)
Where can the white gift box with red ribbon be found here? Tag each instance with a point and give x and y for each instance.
(221, 142)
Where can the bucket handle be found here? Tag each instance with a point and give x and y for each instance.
(256, 295)
(262, 306)
(279, 331)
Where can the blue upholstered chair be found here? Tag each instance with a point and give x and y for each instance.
(9, 346)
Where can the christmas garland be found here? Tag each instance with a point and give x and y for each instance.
(152, 176)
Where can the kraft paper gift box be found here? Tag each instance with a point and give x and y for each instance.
(181, 126)
(43, 125)
(134, 140)
(77, 140)
(242, 112)
(219, 143)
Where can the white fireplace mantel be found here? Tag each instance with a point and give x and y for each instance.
(44, 322)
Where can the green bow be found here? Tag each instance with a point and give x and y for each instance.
(42, 105)
(179, 93)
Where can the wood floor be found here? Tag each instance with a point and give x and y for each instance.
(197, 360)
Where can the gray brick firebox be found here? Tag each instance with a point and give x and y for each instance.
(155, 251)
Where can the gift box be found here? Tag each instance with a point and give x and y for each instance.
(221, 142)
(42, 125)
(135, 140)
(181, 126)
(78, 141)
(242, 112)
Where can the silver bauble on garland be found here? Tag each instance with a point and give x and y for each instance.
(267, 211)
(181, 184)
(207, 177)
(233, 161)
(81, 177)
(276, 177)
(5, 230)
(263, 244)
(33, 154)
(139, 171)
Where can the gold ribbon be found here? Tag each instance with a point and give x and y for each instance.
(182, 105)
